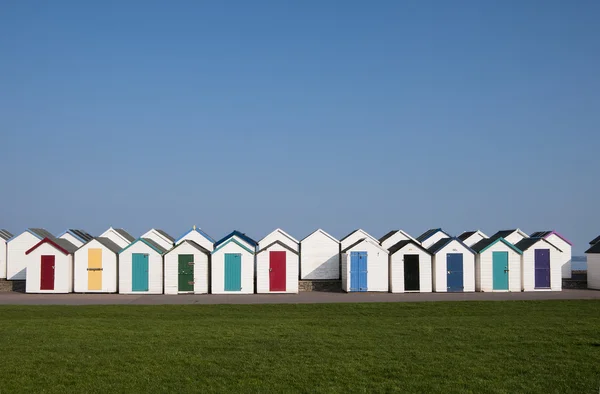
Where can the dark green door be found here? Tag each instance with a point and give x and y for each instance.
(233, 272)
(186, 272)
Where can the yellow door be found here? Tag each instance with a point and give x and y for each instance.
(94, 269)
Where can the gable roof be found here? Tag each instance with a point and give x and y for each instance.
(594, 249)
(81, 235)
(319, 230)
(393, 232)
(157, 248)
(164, 234)
(199, 231)
(124, 234)
(396, 247)
(191, 243)
(486, 243)
(110, 245)
(356, 231)
(277, 242)
(595, 240)
(61, 245)
(506, 233)
(429, 233)
(238, 234)
(39, 233)
(527, 243)
(546, 234)
(229, 240)
(5, 234)
(436, 247)
(369, 240)
(466, 235)
(278, 230)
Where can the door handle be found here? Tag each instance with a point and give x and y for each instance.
(449, 272)
(270, 269)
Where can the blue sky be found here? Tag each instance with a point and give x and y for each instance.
(253, 115)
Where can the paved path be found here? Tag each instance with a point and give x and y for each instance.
(301, 298)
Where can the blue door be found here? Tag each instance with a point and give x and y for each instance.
(500, 270)
(358, 271)
(139, 272)
(454, 265)
(233, 272)
(542, 268)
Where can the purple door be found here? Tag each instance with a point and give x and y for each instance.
(542, 268)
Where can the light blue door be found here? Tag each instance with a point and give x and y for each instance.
(139, 272)
(233, 272)
(500, 270)
(358, 271)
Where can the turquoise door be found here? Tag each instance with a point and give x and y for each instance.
(139, 272)
(500, 270)
(233, 272)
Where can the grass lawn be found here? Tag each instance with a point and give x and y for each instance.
(513, 346)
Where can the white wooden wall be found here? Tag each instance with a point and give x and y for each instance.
(63, 270)
(109, 269)
(218, 270)
(397, 269)
(281, 237)
(201, 263)
(159, 239)
(17, 261)
(565, 255)
(2, 259)
(319, 257)
(377, 267)
(440, 267)
(393, 240)
(115, 237)
(473, 239)
(198, 238)
(74, 240)
(433, 239)
(528, 266)
(514, 237)
(593, 271)
(155, 269)
(484, 279)
(292, 261)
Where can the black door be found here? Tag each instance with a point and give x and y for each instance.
(411, 272)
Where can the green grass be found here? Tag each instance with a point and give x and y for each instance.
(515, 346)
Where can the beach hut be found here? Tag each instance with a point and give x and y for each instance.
(198, 236)
(186, 268)
(319, 257)
(432, 236)
(96, 266)
(5, 235)
(410, 267)
(593, 264)
(561, 243)
(365, 266)
(393, 237)
(472, 237)
(354, 236)
(513, 236)
(232, 263)
(118, 236)
(160, 237)
(541, 265)
(497, 265)
(453, 266)
(141, 267)
(277, 263)
(76, 237)
(50, 266)
(16, 259)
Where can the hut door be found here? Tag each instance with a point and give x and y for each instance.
(500, 270)
(542, 268)
(47, 273)
(411, 272)
(139, 272)
(454, 265)
(277, 271)
(233, 272)
(94, 269)
(358, 271)
(186, 272)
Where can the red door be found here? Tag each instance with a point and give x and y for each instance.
(276, 271)
(47, 273)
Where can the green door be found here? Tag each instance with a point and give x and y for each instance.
(233, 272)
(186, 272)
(500, 270)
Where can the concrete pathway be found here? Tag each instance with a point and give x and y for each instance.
(301, 298)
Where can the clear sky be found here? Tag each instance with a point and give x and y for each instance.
(253, 115)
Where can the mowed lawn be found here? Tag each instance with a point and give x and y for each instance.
(513, 346)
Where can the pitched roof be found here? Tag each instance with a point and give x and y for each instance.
(41, 233)
(124, 234)
(387, 236)
(5, 234)
(436, 247)
(277, 242)
(191, 243)
(319, 230)
(506, 233)
(232, 240)
(527, 243)
(466, 235)
(355, 231)
(427, 234)
(369, 240)
(62, 245)
(113, 247)
(594, 249)
(199, 231)
(396, 247)
(164, 234)
(81, 235)
(595, 240)
(546, 234)
(238, 234)
(485, 243)
(159, 249)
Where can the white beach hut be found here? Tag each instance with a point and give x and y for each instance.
(472, 237)
(198, 236)
(50, 266)
(453, 266)
(354, 236)
(160, 237)
(76, 236)
(319, 257)
(277, 263)
(410, 267)
(513, 236)
(118, 236)
(5, 235)
(432, 236)
(541, 264)
(187, 268)
(141, 268)
(365, 266)
(497, 265)
(593, 264)
(96, 266)
(232, 264)
(561, 243)
(393, 237)
(16, 259)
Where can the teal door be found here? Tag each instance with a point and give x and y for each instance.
(233, 272)
(139, 272)
(500, 270)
